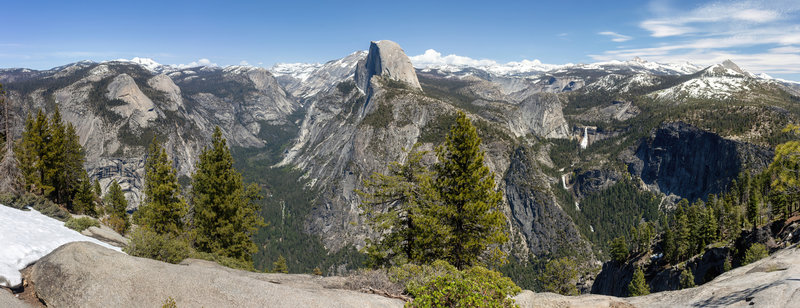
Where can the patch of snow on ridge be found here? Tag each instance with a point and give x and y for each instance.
(27, 236)
(295, 70)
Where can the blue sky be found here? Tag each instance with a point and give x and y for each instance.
(761, 36)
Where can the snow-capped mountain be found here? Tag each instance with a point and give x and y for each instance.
(527, 68)
(304, 80)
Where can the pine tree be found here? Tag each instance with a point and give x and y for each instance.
(399, 206)
(619, 249)
(116, 207)
(73, 172)
(280, 266)
(560, 276)
(54, 160)
(225, 214)
(163, 209)
(687, 279)
(754, 209)
(83, 201)
(638, 286)
(470, 203)
(785, 171)
(31, 151)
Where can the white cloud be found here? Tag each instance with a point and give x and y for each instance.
(244, 63)
(759, 35)
(434, 58)
(616, 37)
(200, 62)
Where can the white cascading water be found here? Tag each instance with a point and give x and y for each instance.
(585, 140)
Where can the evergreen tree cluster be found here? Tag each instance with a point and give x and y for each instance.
(451, 212)
(751, 201)
(51, 160)
(225, 216)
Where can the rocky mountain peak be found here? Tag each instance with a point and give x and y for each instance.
(387, 59)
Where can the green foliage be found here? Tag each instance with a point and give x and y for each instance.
(169, 303)
(757, 251)
(39, 203)
(81, 223)
(398, 205)
(287, 202)
(225, 213)
(560, 276)
(279, 266)
(470, 205)
(84, 200)
(51, 158)
(116, 206)
(147, 243)
(786, 178)
(163, 208)
(473, 287)
(380, 117)
(612, 213)
(619, 250)
(687, 279)
(638, 286)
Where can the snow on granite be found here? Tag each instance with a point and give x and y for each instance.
(27, 236)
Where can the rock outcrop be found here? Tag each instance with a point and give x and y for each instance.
(770, 282)
(540, 114)
(686, 161)
(137, 106)
(386, 59)
(87, 275)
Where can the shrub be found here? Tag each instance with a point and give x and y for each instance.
(169, 303)
(756, 252)
(119, 224)
(687, 279)
(317, 271)
(560, 276)
(39, 203)
(473, 287)
(166, 248)
(82, 223)
(373, 279)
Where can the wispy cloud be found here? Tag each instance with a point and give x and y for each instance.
(762, 36)
(616, 37)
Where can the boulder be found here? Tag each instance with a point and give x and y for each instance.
(87, 275)
(106, 234)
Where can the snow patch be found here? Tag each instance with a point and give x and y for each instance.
(27, 236)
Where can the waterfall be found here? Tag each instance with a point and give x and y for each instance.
(585, 140)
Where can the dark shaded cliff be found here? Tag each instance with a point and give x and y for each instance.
(689, 162)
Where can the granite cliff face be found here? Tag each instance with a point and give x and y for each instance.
(386, 59)
(117, 108)
(535, 212)
(683, 160)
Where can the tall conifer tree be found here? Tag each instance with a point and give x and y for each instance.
(470, 203)
(225, 214)
(163, 209)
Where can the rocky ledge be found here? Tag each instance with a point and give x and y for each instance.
(82, 274)
(771, 282)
